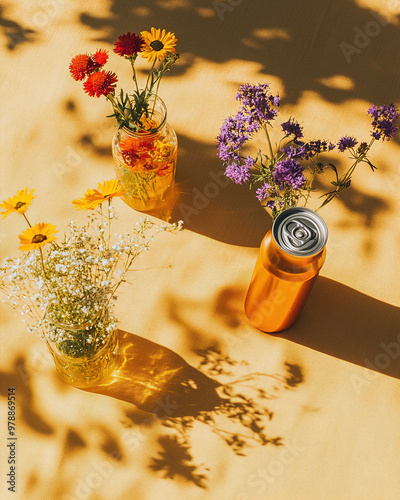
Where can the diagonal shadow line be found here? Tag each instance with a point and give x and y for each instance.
(342, 322)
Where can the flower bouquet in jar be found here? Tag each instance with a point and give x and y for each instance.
(145, 145)
(65, 289)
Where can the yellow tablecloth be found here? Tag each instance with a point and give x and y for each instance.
(205, 406)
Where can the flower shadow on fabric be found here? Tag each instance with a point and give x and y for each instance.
(15, 32)
(221, 394)
(28, 408)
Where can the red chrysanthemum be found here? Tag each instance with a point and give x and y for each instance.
(128, 44)
(100, 57)
(100, 83)
(80, 66)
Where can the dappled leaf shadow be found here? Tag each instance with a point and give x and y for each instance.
(240, 419)
(294, 375)
(257, 31)
(74, 441)
(221, 394)
(175, 460)
(15, 32)
(21, 378)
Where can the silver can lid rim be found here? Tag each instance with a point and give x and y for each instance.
(300, 232)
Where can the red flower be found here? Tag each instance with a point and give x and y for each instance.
(100, 57)
(100, 83)
(80, 66)
(128, 44)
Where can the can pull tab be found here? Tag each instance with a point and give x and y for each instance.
(297, 235)
(300, 231)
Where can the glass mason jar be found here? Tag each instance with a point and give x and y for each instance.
(145, 160)
(84, 354)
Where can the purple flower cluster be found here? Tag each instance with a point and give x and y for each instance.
(289, 172)
(258, 102)
(308, 150)
(262, 192)
(238, 173)
(346, 142)
(235, 131)
(280, 174)
(384, 121)
(292, 127)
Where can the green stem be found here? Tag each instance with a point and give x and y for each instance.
(134, 74)
(115, 105)
(269, 141)
(151, 72)
(155, 96)
(360, 158)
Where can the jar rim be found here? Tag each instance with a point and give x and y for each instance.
(146, 133)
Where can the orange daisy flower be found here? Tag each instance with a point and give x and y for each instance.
(37, 236)
(100, 83)
(95, 197)
(18, 203)
(80, 66)
(100, 57)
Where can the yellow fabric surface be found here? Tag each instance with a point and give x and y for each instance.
(203, 405)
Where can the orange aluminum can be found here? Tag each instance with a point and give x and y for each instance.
(291, 256)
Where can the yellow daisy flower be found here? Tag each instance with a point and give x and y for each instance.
(157, 44)
(18, 203)
(37, 236)
(89, 200)
(95, 197)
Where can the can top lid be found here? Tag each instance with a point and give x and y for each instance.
(300, 232)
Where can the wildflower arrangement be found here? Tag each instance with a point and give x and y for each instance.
(131, 111)
(67, 287)
(145, 146)
(285, 174)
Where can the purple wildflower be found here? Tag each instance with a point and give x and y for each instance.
(257, 101)
(346, 142)
(238, 173)
(249, 162)
(308, 150)
(293, 153)
(262, 192)
(384, 121)
(235, 131)
(292, 127)
(289, 172)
